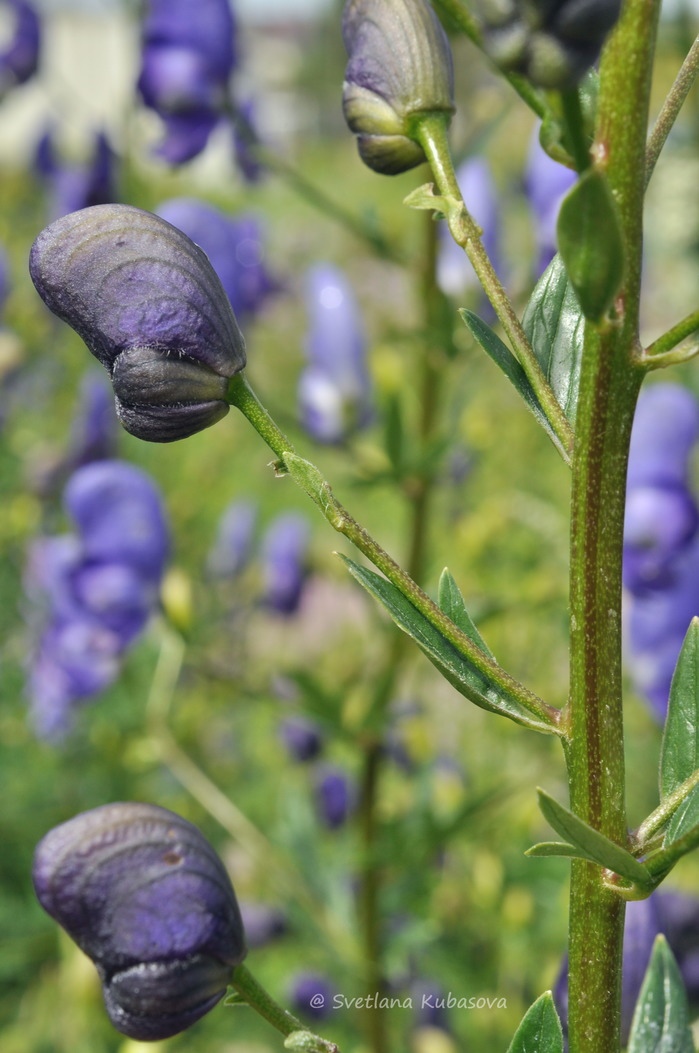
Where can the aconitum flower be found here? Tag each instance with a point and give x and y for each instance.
(302, 738)
(334, 388)
(235, 247)
(335, 797)
(233, 546)
(400, 67)
(311, 995)
(552, 42)
(150, 308)
(74, 186)
(145, 896)
(93, 434)
(661, 538)
(188, 57)
(546, 183)
(100, 584)
(19, 60)
(284, 552)
(454, 271)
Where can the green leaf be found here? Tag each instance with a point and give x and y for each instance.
(503, 357)
(591, 843)
(686, 818)
(460, 673)
(661, 1018)
(558, 848)
(540, 1030)
(590, 243)
(679, 756)
(555, 327)
(451, 601)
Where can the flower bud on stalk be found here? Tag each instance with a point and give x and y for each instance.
(400, 67)
(551, 42)
(144, 895)
(148, 304)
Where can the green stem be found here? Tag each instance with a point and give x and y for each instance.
(659, 865)
(255, 995)
(431, 131)
(671, 108)
(241, 395)
(676, 357)
(609, 385)
(687, 327)
(464, 20)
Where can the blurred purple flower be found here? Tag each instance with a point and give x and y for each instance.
(235, 247)
(232, 548)
(454, 271)
(74, 186)
(187, 60)
(661, 540)
(284, 549)
(262, 923)
(5, 283)
(546, 183)
(93, 434)
(311, 995)
(100, 586)
(143, 893)
(429, 1001)
(244, 136)
(334, 388)
(302, 738)
(335, 797)
(19, 60)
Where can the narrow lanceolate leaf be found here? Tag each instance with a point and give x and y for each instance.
(679, 756)
(451, 601)
(460, 673)
(661, 1018)
(503, 357)
(590, 243)
(591, 843)
(540, 1030)
(558, 848)
(686, 818)
(555, 327)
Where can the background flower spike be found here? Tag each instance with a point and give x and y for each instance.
(143, 893)
(149, 305)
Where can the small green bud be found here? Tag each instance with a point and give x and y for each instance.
(400, 66)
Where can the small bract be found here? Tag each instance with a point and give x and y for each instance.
(149, 305)
(145, 896)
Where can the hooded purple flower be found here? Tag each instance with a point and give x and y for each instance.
(546, 183)
(302, 738)
(188, 57)
(311, 995)
(284, 550)
(235, 247)
(454, 272)
(335, 797)
(75, 186)
(400, 66)
(144, 895)
(150, 307)
(101, 586)
(661, 539)
(334, 388)
(19, 60)
(93, 435)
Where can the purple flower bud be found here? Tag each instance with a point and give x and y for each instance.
(302, 738)
(665, 430)
(120, 517)
(75, 186)
(551, 43)
(311, 995)
(235, 248)
(659, 523)
(454, 272)
(188, 57)
(334, 389)
(233, 546)
(284, 549)
(19, 60)
(150, 307)
(546, 182)
(335, 798)
(144, 895)
(400, 65)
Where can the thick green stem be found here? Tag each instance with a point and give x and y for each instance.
(609, 386)
(430, 129)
